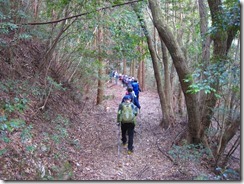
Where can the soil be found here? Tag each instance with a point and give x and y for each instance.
(90, 148)
(72, 138)
(103, 158)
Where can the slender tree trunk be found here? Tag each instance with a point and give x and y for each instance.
(132, 68)
(167, 85)
(139, 72)
(101, 71)
(53, 44)
(181, 103)
(206, 41)
(228, 134)
(142, 82)
(157, 70)
(180, 64)
(124, 67)
(140, 63)
(219, 52)
(36, 9)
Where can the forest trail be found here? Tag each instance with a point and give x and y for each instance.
(98, 158)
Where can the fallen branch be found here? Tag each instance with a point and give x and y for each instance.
(45, 102)
(165, 154)
(146, 167)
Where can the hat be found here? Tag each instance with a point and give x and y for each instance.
(127, 97)
(129, 89)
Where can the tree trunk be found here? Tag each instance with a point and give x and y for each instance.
(221, 43)
(142, 62)
(140, 68)
(36, 9)
(157, 70)
(167, 85)
(45, 61)
(206, 41)
(228, 134)
(124, 67)
(180, 98)
(100, 88)
(219, 52)
(132, 68)
(180, 65)
(142, 82)
(139, 72)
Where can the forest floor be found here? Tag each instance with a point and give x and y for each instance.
(71, 138)
(88, 145)
(101, 159)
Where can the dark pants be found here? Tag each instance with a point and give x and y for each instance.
(137, 96)
(130, 128)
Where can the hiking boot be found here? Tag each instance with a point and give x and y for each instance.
(130, 152)
(124, 145)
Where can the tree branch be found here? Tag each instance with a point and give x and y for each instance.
(75, 16)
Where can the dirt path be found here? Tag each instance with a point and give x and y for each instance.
(98, 158)
(89, 148)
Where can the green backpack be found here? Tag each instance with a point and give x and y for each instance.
(127, 113)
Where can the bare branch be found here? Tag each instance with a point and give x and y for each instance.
(75, 16)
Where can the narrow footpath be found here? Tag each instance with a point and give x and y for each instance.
(99, 157)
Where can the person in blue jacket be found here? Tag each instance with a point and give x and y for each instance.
(133, 98)
(136, 88)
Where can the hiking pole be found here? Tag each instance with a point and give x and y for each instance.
(119, 141)
(119, 162)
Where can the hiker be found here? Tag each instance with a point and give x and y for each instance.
(134, 100)
(126, 118)
(136, 88)
(111, 76)
(129, 82)
(124, 80)
(116, 76)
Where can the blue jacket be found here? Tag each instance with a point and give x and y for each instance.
(136, 87)
(133, 100)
